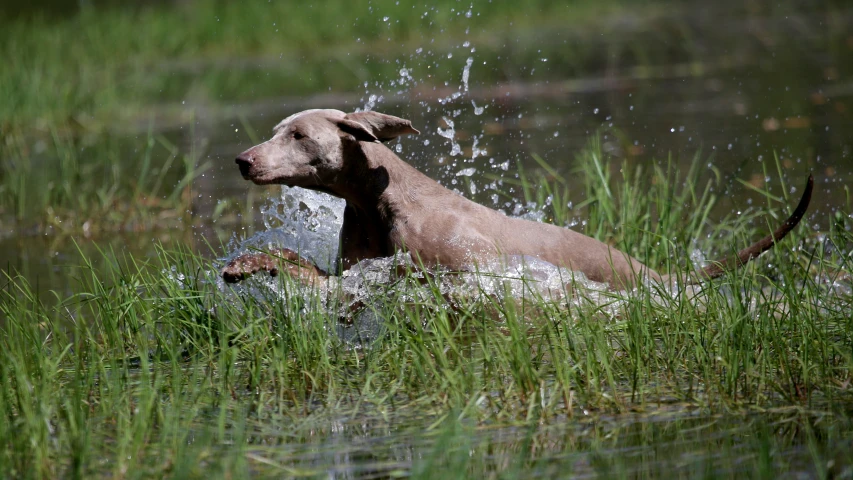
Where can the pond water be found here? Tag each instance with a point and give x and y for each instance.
(674, 442)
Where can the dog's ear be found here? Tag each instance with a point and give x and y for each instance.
(357, 130)
(383, 127)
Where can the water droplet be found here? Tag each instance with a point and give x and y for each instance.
(466, 72)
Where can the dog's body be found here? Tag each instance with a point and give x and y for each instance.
(392, 206)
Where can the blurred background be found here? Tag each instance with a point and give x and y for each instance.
(120, 120)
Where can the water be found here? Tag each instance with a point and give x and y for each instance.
(675, 442)
(301, 220)
(309, 222)
(749, 92)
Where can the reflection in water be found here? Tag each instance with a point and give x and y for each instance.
(675, 441)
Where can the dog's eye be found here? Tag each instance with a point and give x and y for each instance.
(297, 136)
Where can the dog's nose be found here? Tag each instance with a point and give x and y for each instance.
(245, 159)
(244, 162)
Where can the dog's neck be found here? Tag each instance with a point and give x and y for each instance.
(374, 184)
(375, 179)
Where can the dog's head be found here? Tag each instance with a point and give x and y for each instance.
(307, 148)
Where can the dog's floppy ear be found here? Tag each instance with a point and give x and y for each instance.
(383, 127)
(357, 130)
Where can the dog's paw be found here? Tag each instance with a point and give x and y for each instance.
(246, 265)
(290, 262)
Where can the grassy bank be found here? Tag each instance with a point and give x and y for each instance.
(113, 61)
(107, 68)
(152, 369)
(66, 184)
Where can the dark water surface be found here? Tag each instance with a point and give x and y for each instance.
(674, 441)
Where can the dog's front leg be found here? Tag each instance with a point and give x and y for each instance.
(278, 260)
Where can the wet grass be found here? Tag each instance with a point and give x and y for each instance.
(88, 186)
(152, 369)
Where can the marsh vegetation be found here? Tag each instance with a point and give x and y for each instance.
(674, 132)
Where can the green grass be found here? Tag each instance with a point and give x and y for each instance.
(152, 370)
(72, 185)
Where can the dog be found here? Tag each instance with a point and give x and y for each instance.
(391, 206)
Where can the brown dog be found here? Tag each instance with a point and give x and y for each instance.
(392, 206)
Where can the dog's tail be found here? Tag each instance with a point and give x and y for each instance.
(715, 269)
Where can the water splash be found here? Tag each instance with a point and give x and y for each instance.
(301, 220)
(372, 282)
(309, 222)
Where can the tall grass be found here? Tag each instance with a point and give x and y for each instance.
(64, 184)
(154, 369)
